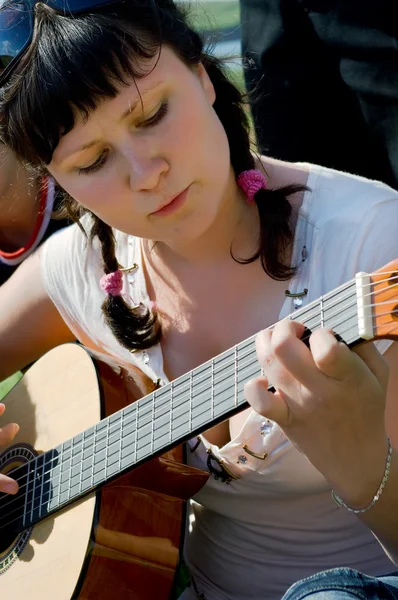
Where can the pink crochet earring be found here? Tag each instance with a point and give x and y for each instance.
(251, 182)
(112, 283)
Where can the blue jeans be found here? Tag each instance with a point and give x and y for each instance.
(344, 584)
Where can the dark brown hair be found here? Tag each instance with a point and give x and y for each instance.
(74, 63)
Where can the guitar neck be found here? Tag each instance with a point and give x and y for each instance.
(174, 413)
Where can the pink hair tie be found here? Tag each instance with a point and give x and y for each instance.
(251, 182)
(112, 283)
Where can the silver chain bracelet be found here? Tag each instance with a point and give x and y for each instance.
(379, 492)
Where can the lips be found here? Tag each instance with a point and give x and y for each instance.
(173, 205)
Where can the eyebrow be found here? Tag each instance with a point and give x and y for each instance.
(131, 108)
(133, 105)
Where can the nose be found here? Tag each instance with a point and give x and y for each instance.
(145, 168)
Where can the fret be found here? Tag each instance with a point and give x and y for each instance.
(144, 428)
(224, 382)
(45, 483)
(99, 450)
(130, 444)
(103, 447)
(248, 366)
(236, 375)
(89, 481)
(106, 450)
(43, 479)
(86, 452)
(114, 442)
(64, 472)
(34, 478)
(212, 389)
(120, 449)
(138, 445)
(136, 429)
(128, 439)
(171, 411)
(87, 459)
(75, 458)
(322, 312)
(70, 479)
(202, 394)
(162, 418)
(36, 489)
(153, 422)
(69, 470)
(55, 477)
(26, 499)
(190, 398)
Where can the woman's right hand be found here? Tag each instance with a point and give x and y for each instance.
(7, 434)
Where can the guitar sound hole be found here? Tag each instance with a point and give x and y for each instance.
(11, 512)
(7, 539)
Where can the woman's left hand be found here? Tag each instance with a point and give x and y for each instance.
(330, 402)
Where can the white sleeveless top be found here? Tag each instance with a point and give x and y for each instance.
(251, 539)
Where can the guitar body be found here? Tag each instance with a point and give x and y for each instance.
(121, 542)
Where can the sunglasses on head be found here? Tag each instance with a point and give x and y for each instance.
(17, 26)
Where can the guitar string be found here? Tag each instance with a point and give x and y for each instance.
(347, 285)
(340, 300)
(181, 392)
(33, 500)
(115, 439)
(303, 338)
(199, 379)
(249, 340)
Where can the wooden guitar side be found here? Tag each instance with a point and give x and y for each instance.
(122, 542)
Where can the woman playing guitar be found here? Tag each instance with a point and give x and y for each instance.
(186, 243)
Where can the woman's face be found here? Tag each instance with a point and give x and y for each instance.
(159, 171)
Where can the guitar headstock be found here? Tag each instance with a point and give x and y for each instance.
(384, 289)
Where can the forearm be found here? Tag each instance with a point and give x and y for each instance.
(30, 324)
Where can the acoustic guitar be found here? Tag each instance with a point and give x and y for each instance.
(100, 462)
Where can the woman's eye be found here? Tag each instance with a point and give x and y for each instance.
(158, 116)
(96, 166)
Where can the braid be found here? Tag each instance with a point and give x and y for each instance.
(34, 117)
(136, 328)
(273, 206)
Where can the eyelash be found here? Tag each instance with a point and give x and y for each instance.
(151, 122)
(157, 117)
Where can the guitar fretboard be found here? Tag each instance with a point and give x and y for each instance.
(165, 418)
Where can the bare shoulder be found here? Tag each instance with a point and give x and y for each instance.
(281, 173)
(30, 324)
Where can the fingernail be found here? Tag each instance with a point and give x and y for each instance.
(16, 428)
(10, 487)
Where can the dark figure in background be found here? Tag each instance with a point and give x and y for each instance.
(326, 73)
(26, 207)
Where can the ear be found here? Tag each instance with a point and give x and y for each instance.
(206, 83)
